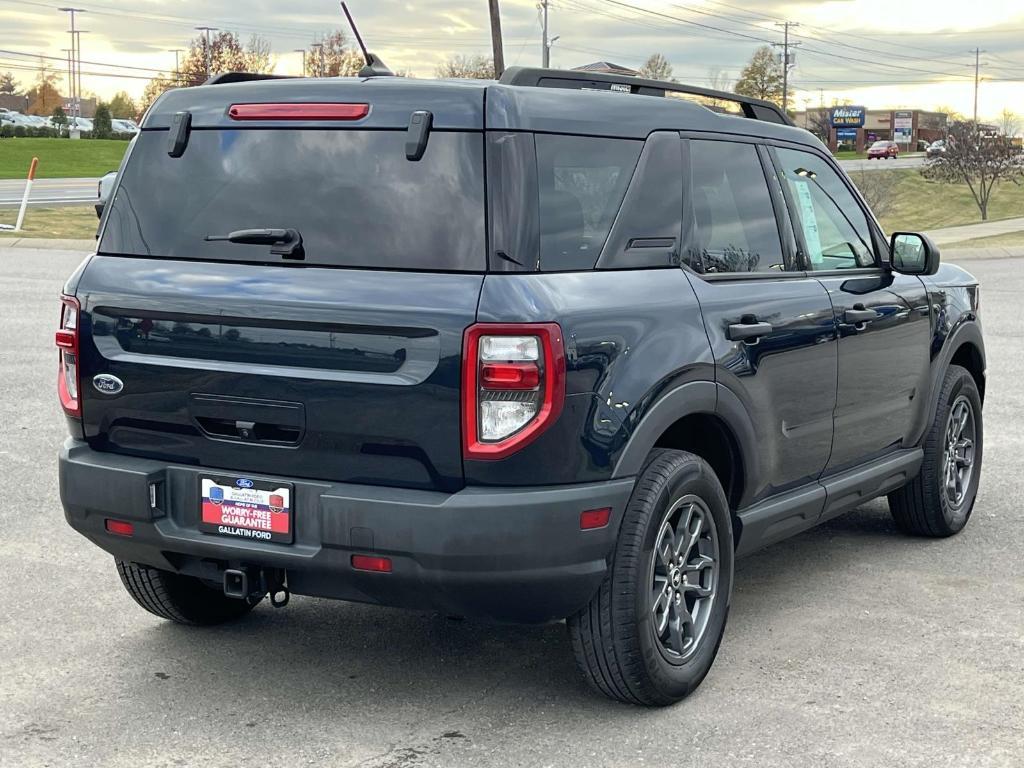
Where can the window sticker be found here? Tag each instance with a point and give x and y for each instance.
(808, 220)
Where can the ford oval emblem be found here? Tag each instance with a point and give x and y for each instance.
(107, 383)
(243, 482)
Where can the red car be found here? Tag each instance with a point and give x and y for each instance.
(883, 149)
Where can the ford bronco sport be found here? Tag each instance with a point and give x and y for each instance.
(560, 346)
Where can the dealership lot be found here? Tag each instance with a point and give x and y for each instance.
(850, 645)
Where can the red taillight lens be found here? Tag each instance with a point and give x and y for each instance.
(298, 111)
(120, 527)
(513, 386)
(371, 563)
(67, 351)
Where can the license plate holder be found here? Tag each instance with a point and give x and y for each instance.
(246, 508)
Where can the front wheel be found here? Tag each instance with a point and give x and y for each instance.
(651, 633)
(939, 501)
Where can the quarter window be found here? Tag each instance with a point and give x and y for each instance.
(734, 227)
(835, 229)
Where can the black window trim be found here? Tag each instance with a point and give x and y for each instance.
(792, 270)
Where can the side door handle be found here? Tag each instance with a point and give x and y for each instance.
(746, 331)
(859, 315)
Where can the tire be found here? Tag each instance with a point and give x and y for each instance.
(181, 599)
(927, 506)
(615, 638)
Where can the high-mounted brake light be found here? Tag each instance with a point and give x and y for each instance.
(298, 111)
(513, 386)
(67, 351)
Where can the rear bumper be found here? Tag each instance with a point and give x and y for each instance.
(505, 554)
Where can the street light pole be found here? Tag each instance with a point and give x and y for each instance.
(977, 79)
(545, 53)
(177, 67)
(209, 49)
(75, 58)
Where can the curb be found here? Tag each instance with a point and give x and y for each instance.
(44, 243)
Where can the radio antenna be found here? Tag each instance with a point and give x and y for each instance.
(374, 66)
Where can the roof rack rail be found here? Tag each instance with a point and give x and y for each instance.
(755, 109)
(243, 77)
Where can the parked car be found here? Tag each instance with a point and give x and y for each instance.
(470, 348)
(883, 149)
(935, 149)
(124, 127)
(104, 188)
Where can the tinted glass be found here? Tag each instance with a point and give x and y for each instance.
(834, 226)
(582, 182)
(352, 195)
(734, 227)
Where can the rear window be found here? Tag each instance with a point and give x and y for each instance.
(352, 195)
(581, 181)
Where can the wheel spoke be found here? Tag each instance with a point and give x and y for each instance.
(683, 532)
(698, 589)
(661, 610)
(666, 545)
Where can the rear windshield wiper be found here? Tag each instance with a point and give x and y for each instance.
(286, 243)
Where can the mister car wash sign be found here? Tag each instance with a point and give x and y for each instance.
(848, 117)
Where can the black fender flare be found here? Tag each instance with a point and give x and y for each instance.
(966, 332)
(695, 397)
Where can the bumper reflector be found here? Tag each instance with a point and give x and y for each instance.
(371, 563)
(120, 527)
(595, 518)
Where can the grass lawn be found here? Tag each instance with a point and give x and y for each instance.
(77, 222)
(918, 204)
(1009, 240)
(60, 158)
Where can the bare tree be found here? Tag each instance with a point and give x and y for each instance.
(657, 68)
(977, 159)
(819, 122)
(719, 80)
(877, 187)
(472, 67)
(1009, 123)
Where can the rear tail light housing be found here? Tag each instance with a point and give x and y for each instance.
(67, 351)
(513, 386)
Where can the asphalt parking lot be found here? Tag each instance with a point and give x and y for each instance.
(850, 645)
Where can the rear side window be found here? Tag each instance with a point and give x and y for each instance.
(581, 183)
(352, 195)
(734, 227)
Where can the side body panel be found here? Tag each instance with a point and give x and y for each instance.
(630, 337)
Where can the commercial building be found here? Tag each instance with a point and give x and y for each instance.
(857, 127)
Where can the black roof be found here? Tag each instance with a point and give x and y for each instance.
(521, 101)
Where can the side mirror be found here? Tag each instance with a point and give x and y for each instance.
(106, 186)
(913, 254)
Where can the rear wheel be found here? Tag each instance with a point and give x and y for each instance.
(651, 633)
(181, 599)
(939, 501)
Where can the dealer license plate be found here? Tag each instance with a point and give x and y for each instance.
(259, 510)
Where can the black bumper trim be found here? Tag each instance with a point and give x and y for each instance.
(506, 554)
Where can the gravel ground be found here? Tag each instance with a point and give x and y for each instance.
(850, 645)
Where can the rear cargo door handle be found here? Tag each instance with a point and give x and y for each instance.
(748, 331)
(859, 315)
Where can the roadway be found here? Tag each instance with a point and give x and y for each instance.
(850, 645)
(53, 192)
(902, 162)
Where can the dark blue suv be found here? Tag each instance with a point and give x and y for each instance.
(560, 346)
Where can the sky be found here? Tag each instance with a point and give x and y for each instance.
(876, 53)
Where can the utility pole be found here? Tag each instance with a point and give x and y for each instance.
(69, 52)
(545, 51)
(977, 79)
(303, 52)
(75, 56)
(177, 67)
(496, 45)
(209, 48)
(786, 61)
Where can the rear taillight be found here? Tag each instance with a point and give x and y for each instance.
(67, 351)
(513, 386)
